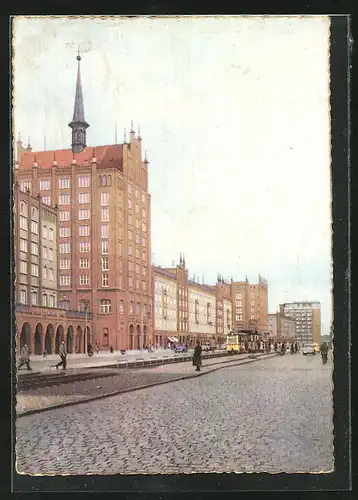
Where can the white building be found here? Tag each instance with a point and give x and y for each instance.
(165, 307)
(202, 311)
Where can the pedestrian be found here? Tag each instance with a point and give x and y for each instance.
(292, 349)
(63, 355)
(283, 348)
(197, 356)
(97, 347)
(24, 358)
(111, 349)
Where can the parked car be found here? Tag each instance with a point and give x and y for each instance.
(308, 349)
(206, 348)
(181, 349)
(222, 347)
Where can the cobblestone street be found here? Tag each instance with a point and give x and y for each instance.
(272, 415)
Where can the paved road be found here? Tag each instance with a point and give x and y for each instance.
(273, 415)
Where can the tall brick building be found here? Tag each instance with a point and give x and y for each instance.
(104, 242)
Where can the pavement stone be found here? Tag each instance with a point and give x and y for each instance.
(273, 415)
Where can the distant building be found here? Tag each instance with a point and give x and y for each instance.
(165, 296)
(307, 316)
(250, 303)
(281, 326)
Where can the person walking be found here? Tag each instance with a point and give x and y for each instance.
(292, 349)
(63, 355)
(24, 358)
(197, 356)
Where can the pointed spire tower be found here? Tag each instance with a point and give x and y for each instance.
(78, 124)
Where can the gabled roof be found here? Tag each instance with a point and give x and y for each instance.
(107, 157)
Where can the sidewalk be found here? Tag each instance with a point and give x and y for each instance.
(78, 361)
(125, 380)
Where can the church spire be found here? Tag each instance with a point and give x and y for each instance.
(78, 124)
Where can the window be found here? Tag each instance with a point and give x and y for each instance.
(84, 279)
(121, 307)
(129, 203)
(52, 301)
(34, 298)
(105, 337)
(50, 254)
(130, 235)
(144, 227)
(129, 188)
(130, 266)
(44, 253)
(137, 253)
(84, 230)
(23, 223)
(104, 246)
(23, 245)
(85, 246)
(143, 255)
(137, 238)
(65, 232)
(83, 197)
(84, 263)
(64, 199)
(83, 181)
(34, 270)
(143, 212)
(25, 186)
(44, 299)
(83, 214)
(44, 232)
(23, 208)
(46, 200)
(143, 198)
(34, 227)
(105, 279)
(129, 219)
(137, 269)
(137, 311)
(137, 223)
(131, 307)
(50, 274)
(64, 183)
(65, 263)
(65, 280)
(136, 208)
(208, 312)
(106, 306)
(23, 297)
(144, 285)
(104, 230)
(64, 215)
(23, 267)
(136, 193)
(34, 248)
(143, 241)
(105, 264)
(50, 234)
(130, 282)
(63, 248)
(104, 199)
(45, 185)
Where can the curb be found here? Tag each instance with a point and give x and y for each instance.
(141, 387)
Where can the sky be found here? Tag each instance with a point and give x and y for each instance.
(234, 115)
